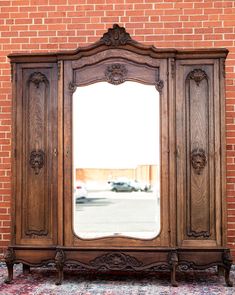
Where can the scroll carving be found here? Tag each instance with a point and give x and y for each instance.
(116, 261)
(197, 75)
(116, 36)
(38, 78)
(37, 160)
(198, 160)
(204, 234)
(116, 74)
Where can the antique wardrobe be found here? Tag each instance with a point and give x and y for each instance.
(189, 85)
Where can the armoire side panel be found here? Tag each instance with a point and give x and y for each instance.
(37, 156)
(196, 159)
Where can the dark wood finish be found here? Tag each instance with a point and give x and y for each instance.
(193, 223)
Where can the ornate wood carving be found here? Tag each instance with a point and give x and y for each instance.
(116, 36)
(159, 85)
(198, 195)
(59, 263)
(116, 73)
(37, 160)
(72, 87)
(198, 160)
(197, 75)
(116, 261)
(9, 255)
(37, 78)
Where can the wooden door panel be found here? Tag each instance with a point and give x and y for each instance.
(196, 157)
(37, 142)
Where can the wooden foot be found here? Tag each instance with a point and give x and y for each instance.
(173, 261)
(60, 277)
(220, 270)
(229, 283)
(59, 263)
(9, 258)
(26, 269)
(227, 260)
(9, 279)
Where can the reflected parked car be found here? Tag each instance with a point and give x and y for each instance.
(127, 185)
(80, 191)
(121, 186)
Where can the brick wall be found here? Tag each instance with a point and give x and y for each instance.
(51, 25)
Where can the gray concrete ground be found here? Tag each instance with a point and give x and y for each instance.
(105, 213)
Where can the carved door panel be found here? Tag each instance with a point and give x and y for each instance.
(198, 153)
(35, 153)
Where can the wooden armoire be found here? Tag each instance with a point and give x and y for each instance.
(190, 83)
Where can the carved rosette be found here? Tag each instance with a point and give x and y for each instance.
(198, 160)
(116, 261)
(9, 256)
(38, 78)
(197, 75)
(116, 74)
(116, 36)
(37, 160)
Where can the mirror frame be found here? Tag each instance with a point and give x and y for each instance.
(116, 64)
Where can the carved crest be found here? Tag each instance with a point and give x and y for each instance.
(198, 160)
(38, 78)
(116, 73)
(36, 161)
(197, 75)
(116, 261)
(116, 36)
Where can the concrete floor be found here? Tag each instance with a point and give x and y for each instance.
(107, 213)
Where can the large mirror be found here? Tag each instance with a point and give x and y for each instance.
(116, 161)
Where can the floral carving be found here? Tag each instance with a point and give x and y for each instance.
(116, 36)
(198, 160)
(37, 160)
(38, 78)
(116, 73)
(116, 261)
(197, 75)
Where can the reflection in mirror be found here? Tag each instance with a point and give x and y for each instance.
(116, 161)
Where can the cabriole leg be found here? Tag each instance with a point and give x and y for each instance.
(26, 269)
(59, 263)
(9, 259)
(227, 260)
(173, 261)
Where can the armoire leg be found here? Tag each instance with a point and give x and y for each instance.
(10, 273)
(229, 283)
(9, 259)
(26, 269)
(59, 263)
(227, 260)
(220, 270)
(173, 261)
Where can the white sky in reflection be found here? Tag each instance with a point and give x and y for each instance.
(115, 126)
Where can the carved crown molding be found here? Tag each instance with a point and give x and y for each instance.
(116, 36)
(198, 160)
(37, 78)
(197, 75)
(116, 73)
